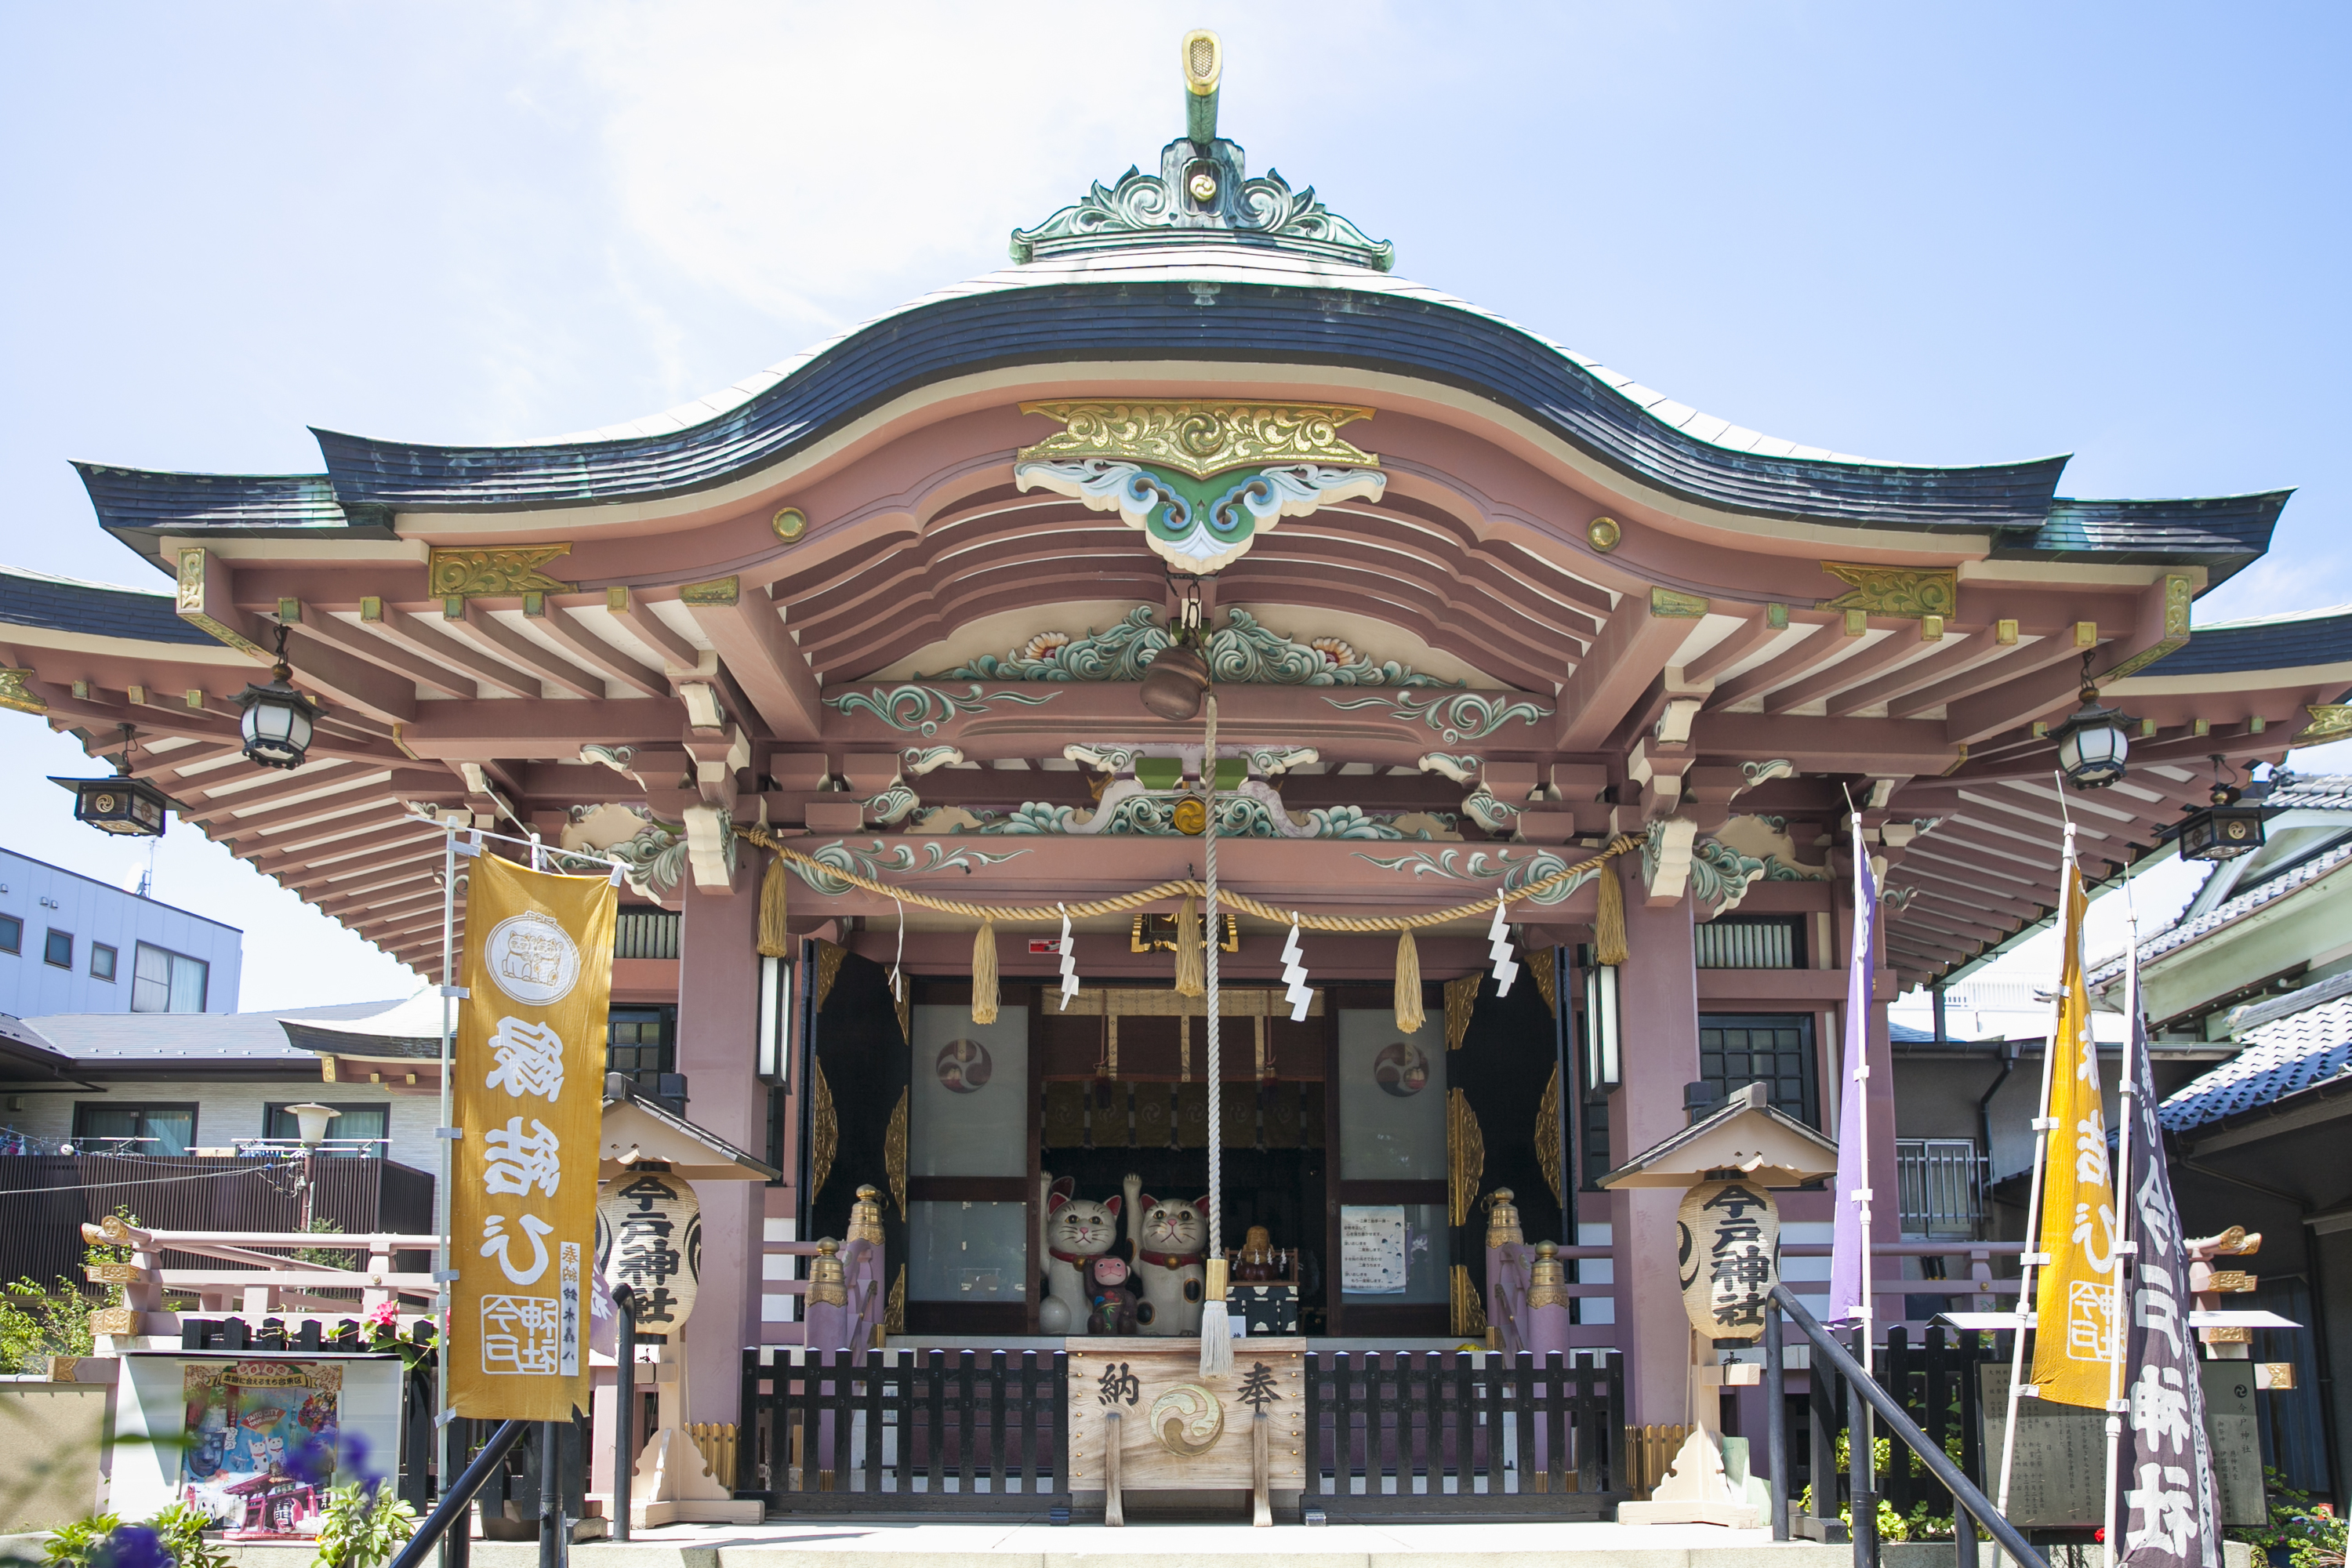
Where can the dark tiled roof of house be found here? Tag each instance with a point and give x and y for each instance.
(2229, 911)
(2289, 1053)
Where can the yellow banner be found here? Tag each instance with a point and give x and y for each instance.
(529, 1090)
(2073, 1326)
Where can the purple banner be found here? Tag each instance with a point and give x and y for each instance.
(1850, 1250)
(2171, 1502)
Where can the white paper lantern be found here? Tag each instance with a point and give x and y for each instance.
(649, 1237)
(1730, 1257)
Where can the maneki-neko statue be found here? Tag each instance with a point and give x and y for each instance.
(1171, 1238)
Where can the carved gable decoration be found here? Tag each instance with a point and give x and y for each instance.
(1200, 480)
(1904, 592)
(1244, 651)
(495, 574)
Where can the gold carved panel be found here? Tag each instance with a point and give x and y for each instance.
(1547, 1137)
(894, 1151)
(824, 1128)
(1200, 438)
(506, 573)
(1467, 1311)
(15, 694)
(1465, 1156)
(1909, 591)
(1461, 1001)
(829, 956)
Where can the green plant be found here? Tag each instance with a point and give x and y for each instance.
(182, 1529)
(2298, 1534)
(1919, 1524)
(74, 1545)
(363, 1525)
(35, 1324)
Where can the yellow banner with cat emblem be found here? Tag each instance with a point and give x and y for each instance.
(528, 1088)
(2073, 1325)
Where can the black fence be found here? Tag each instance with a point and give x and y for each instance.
(906, 1431)
(45, 1200)
(1464, 1436)
(1936, 1383)
(415, 1478)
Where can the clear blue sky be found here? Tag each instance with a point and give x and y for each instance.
(1931, 233)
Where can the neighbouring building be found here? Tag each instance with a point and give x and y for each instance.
(72, 944)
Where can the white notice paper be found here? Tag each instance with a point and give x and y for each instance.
(1372, 1249)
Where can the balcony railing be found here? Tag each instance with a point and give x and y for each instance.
(46, 1199)
(1941, 1186)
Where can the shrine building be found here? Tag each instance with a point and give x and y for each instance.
(1474, 608)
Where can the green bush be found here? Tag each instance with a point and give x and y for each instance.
(363, 1526)
(2298, 1534)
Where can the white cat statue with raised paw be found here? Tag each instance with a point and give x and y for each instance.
(1171, 1238)
(1072, 1233)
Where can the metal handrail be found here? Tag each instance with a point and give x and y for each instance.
(457, 1500)
(1964, 1491)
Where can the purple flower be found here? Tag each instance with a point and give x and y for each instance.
(131, 1546)
(352, 1459)
(310, 1460)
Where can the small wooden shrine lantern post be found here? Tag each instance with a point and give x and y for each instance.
(1727, 1258)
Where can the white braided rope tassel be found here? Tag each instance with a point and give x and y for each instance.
(1499, 948)
(1216, 1333)
(1295, 988)
(1069, 961)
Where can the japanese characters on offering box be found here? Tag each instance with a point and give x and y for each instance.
(528, 1087)
(1730, 1247)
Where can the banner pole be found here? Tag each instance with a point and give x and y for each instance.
(445, 1252)
(2033, 1211)
(2127, 1108)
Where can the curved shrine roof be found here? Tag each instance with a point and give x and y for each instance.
(1212, 303)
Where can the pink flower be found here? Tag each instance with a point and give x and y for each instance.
(386, 1316)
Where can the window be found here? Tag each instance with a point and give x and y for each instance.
(643, 1043)
(58, 949)
(134, 1129)
(12, 934)
(1939, 1183)
(645, 933)
(356, 1123)
(1767, 941)
(1774, 1049)
(166, 982)
(101, 961)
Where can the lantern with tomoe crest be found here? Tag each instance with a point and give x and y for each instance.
(649, 1237)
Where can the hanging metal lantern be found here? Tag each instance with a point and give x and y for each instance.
(277, 719)
(2092, 742)
(649, 1237)
(2224, 829)
(124, 805)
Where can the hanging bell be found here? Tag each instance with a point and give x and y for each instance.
(1175, 681)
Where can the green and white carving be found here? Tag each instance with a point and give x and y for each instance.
(1242, 652)
(1198, 526)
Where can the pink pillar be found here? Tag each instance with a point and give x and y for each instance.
(1657, 1007)
(718, 1027)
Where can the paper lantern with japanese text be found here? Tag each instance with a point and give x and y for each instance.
(649, 1237)
(1730, 1258)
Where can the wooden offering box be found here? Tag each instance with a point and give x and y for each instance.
(1142, 1418)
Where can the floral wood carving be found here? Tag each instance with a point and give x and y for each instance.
(1480, 865)
(829, 957)
(1899, 591)
(1244, 651)
(495, 574)
(824, 1128)
(1547, 1135)
(1468, 716)
(15, 694)
(1200, 438)
(894, 1151)
(1461, 1000)
(923, 709)
(1465, 1155)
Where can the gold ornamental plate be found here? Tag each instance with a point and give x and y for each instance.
(1188, 1420)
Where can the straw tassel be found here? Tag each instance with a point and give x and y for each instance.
(984, 974)
(774, 943)
(1608, 925)
(1408, 983)
(1191, 965)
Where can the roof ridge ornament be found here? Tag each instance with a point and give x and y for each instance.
(1201, 194)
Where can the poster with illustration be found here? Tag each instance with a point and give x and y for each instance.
(260, 1444)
